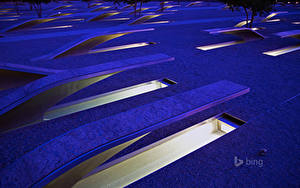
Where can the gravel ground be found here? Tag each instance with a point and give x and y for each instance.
(273, 80)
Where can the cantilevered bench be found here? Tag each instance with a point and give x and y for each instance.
(102, 16)
(60, 14)
(15, 75)
(139, 10)
(28, 103)
(245, 34)
(281, 51)
(166, 7)
(100, 8)
(29, 23)
(196, 3)
(266, 19)
(95, 4)
(84, 45)
(126, 7)
(62, 7)
(143, 19)
(64, 160)
(28, 69)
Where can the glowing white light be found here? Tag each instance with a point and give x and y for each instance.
(220, 45)
(55, 27)
(257, 28)
(149, 159)
(194, 3)
(121, 47)
(72, 20)
(272, 15)
(241, 24)
(5, 20)
(116, 19)
(158, 22)
(282, 51)
(98, 100)
(274, 20)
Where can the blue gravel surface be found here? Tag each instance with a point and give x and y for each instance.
(270, 109)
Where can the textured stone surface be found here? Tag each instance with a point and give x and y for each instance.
(272, 80)
(29, 90)
(39, 162)
(276, 129)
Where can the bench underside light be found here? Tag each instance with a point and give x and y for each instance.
(102, 16)
(219, 45)
(29, 111)
(31, 108)
(85, 45)
(245, 34)
(144, 19)
(138, 164)
(71, 176)
(288, 49)
(105, 98)
(282, 51)
(29, 24)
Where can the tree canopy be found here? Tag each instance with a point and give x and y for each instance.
(254, 6)
(37, 5)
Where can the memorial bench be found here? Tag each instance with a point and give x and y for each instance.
(84, 45)
(196, 3)
(101, 8)
(62, 7)
(266, 19)
(64, 160)
(29, 24)
(143, 19)
(28, 103)
(103, 15)
(281, 51)
(245, 34)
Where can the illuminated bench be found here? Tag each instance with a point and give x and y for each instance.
(28, 69)
(90, 145)
(166, 7)
(60, 14)
(281, 51)
(62, 7)
(266, 19)
(29, 103)
(102, 16)
(29, 24)
(245, 34)
(16, 75)
(142, 162)
(194, 3)
(83, 46)
(127, 6)
(95, 4)
(100, 8)
(139, 10)
(293, 33)
(143, 19)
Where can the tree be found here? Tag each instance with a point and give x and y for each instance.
(37, 5)
(260, 7)
(88, 2)
(254, 6)
(132, 2)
